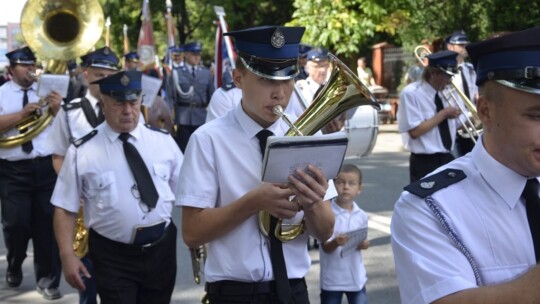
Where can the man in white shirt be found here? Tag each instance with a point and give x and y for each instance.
(469, 233)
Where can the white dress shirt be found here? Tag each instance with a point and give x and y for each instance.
(223, 162)
(98, 171)
(416, 105)
(486, 212)
(11, 100)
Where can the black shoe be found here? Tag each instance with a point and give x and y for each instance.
(14, 278)
(49, 293)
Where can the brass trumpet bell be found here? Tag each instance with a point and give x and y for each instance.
(342, 92)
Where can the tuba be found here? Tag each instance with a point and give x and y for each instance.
(59, 30)
(56, 30)
(342, 92)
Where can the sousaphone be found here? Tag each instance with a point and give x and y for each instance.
(57, 31)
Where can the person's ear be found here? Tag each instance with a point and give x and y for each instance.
(238, 78)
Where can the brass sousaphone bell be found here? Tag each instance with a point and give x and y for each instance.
(56, 30)
(342, 92)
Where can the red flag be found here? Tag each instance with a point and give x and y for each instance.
(145, 44)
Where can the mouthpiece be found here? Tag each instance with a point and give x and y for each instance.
(278, 110)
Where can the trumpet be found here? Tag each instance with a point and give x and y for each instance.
(471, 123)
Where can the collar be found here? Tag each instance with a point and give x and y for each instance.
(16, 87)
(339, 210)
(508, 188)
(112, 135)
(92, 99)
(189, 66)
(251, 128)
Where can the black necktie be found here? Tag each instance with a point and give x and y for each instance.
(444, 129)
(27, 147)
(283, 288)
(100, 116)
(464, 81)
(146, 186)
(193, 71)
(530, 194)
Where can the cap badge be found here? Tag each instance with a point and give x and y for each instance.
(277, 40)
(124, 80)
(106, 51)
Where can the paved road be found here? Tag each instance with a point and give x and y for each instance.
(385, 173)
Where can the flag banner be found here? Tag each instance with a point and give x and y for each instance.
(145, 44)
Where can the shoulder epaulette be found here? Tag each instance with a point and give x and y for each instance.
(228, 86)
(71, 106)
(149, 126)
(433, 183)
(78, 142)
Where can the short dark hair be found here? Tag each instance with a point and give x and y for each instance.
(349, 168)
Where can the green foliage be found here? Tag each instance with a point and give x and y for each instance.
(346, 27)
(339, 25)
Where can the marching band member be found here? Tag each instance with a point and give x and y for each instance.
(127, 175)
(469, 233)
(77, 118)
(428, 127)
(27, 181)
(221, 190)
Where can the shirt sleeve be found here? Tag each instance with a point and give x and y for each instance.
(67, 190)
(199, 185)
(409, 113)
(59, 134)
(428, 265)
(219, 105)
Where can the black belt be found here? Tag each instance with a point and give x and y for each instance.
(192, 104)
(132, 247)
(236, 288)
(29, 160)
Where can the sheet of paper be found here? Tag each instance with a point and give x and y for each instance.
(356, 237)
(52, 82)
(150, 89)
(285, 154)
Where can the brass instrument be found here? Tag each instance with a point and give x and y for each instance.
(198, 258)
(57, 30)
(342, 92)
(472, 124)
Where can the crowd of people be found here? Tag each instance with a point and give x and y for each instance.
(464, 231)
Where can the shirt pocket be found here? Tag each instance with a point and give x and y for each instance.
(161, 178)
(101, 190)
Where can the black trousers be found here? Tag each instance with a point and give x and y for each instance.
(183, 133)
(26, 188)
(422, 164)
(233, 292)
(129, 274)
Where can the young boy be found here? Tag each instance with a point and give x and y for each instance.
(344, 274)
